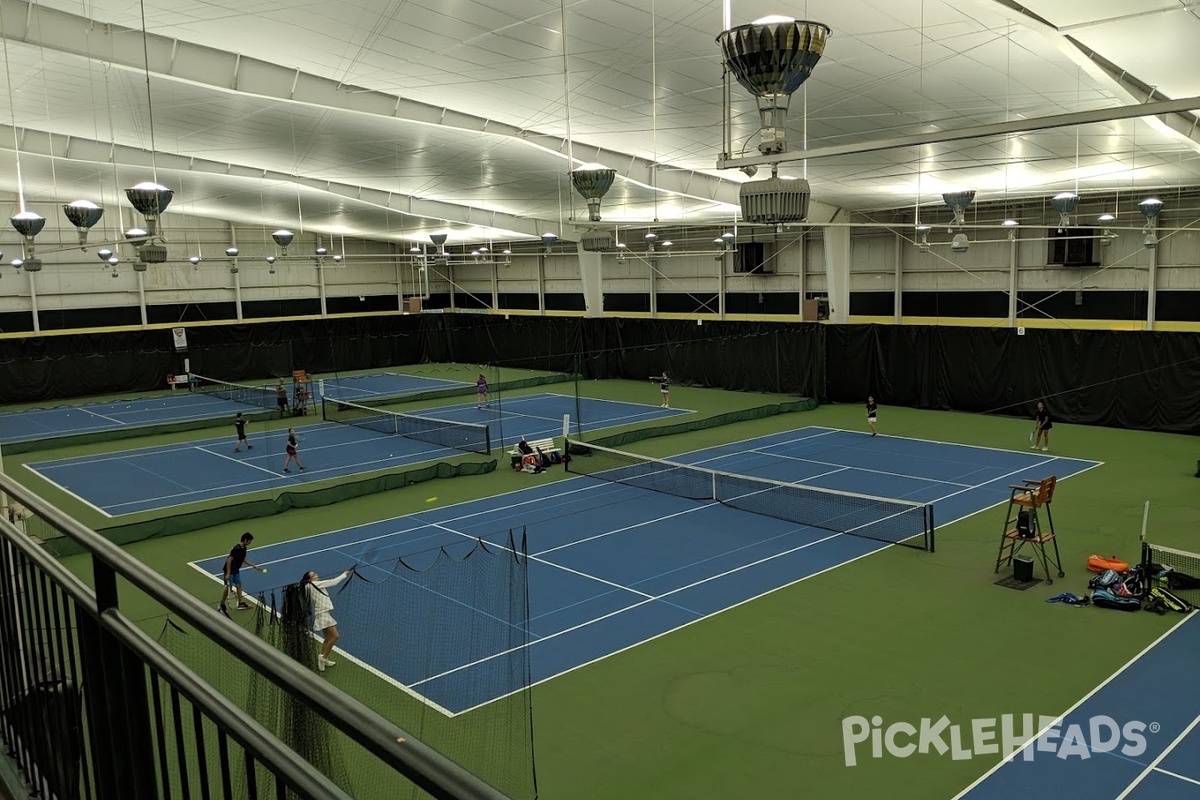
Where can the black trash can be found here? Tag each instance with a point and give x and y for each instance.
(1023, 568)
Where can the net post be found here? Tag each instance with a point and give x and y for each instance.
(487, 439)
(932, 528)
(714, 488)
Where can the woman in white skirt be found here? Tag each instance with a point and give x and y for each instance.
(321, 607)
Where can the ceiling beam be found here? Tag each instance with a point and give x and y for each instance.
(1156, 108)
(72, 148)
(177, 59)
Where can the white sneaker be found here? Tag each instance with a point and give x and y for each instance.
(325, 662)
(1044, 449)
(1033, 447)
(320, 663)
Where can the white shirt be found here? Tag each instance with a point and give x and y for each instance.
(319, 601)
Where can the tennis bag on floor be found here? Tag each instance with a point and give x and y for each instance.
(1105, 598)
(1170, 601)
(1102, 563)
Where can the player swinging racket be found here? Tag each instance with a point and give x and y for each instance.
(292, 455)
(233, 571)
(320, 606)
(239, 423)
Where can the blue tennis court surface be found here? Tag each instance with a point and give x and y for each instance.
(183, 405)
(1136, 737)
(612, 566)
(160, 477)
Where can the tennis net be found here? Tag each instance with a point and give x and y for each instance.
(474, 437)
(261, 396)
(883, 519)
(1178, 571)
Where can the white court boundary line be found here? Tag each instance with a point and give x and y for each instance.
(882, 545)
(1161, 756)
(1057, 720)
(66, 491)
(823, 431)
(343, 654)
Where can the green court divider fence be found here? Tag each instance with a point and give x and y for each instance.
(744, 415)
(132, 432)
(266, 507)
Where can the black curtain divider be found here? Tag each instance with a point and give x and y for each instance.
(1141, 380)
(1138, 380)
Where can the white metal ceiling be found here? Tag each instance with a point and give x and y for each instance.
(387, 118)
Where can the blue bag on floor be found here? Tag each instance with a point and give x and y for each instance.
(1104, 598)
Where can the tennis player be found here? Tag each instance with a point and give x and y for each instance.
(281, 398)
(292, 455)
(233, 570)
(872, 414)
(320, 606)
(664, 387)
(1042, 426)
(481, 391)
(239, 422)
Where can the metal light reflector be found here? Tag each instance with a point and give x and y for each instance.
(150, 200)
(1150, 207)
(28, 223)
(771, 58)
(958, 203)
(83, 214)
(1064, 203)
(592, 181)
(774, 201)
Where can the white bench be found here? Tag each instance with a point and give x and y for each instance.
(547, 446)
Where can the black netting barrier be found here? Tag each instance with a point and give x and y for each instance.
(436, 641)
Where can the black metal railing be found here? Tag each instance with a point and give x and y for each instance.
(93, 707)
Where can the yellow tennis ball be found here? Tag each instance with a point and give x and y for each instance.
(431, 500)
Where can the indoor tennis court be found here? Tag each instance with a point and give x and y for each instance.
(156, 478)
(655, 562)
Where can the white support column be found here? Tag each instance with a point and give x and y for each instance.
(141, 281)
(37, 325)
(450, 280)
(898, 289)
(1152, 289)
(1013, 280)
(495, 286)
(837, 273)
(591, 274)
(399, 280)
(320, 285)
(652, 288)
(237, 293)
(721, 287)
(541, 285)
(802, 243)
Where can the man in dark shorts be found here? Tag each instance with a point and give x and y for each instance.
(281, 397)
(233, 570)
(1042, 426)
(872, 414)
(239, 422)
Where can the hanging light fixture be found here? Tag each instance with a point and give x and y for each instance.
(1150, 208)
(597, 241)
(548, 240)
(1064, 203)
(958, 202)
(771, 58)
(283, 238)
(592, 181)
(150, 200)
(83, 214)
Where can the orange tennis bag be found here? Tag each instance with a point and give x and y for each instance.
(1103, 563)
